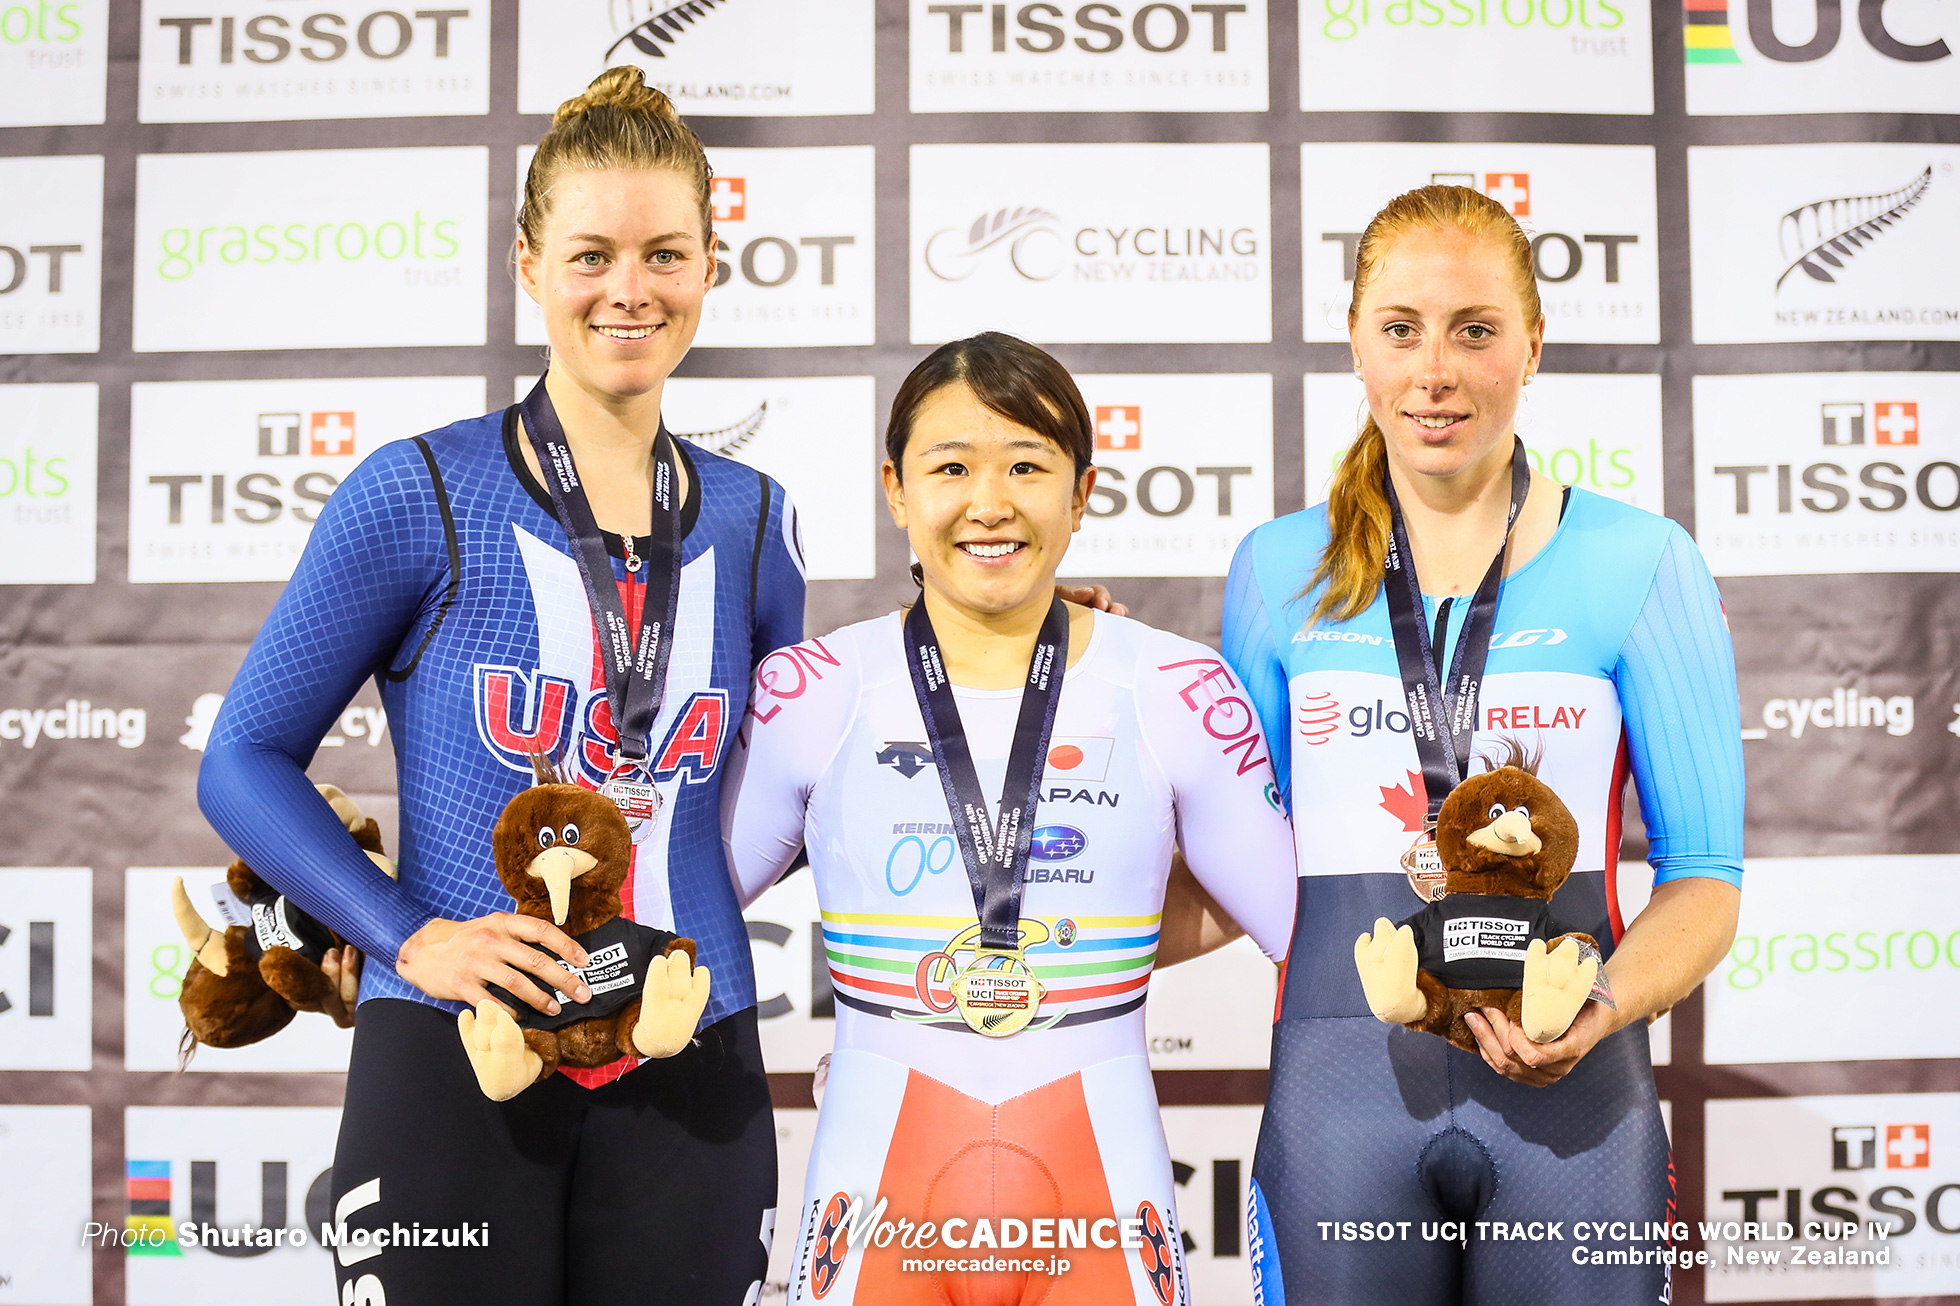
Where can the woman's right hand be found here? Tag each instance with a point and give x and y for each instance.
(455, 961)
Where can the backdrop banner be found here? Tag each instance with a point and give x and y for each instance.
(243, 246)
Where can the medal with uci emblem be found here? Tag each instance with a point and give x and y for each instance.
(997, 992)
(1424, 866)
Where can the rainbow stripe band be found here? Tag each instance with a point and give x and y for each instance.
(1706, 32)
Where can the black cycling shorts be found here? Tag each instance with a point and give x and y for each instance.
(657, 1188)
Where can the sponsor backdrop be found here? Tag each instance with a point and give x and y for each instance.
(244, 243)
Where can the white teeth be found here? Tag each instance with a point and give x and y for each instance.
(990, 550)
(625, 333)
(1435, 423)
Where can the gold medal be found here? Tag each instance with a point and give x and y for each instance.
(997, 993)
(1425, 867)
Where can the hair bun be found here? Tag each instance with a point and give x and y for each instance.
(624, 88)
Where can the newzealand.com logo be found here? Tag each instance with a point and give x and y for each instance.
(1820, 236)
(651, 35)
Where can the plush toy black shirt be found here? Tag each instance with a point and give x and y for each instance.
(1478, 940)
(621, 951)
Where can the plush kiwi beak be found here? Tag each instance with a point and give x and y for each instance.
(1510, 835)
(207, 943)
(558, 866)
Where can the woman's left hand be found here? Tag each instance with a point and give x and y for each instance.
(342, 967)
(1092, 596)
(1506, 1050)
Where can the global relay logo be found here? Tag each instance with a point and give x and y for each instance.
(1820, 236)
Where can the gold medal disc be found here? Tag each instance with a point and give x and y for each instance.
(997, 993)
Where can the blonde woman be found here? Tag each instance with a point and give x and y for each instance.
(1447, 596)
(470, 584)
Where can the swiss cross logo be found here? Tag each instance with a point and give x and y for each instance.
(1512, 190)
(730, 198)
(330, 435)
(1119, 427)
(1895, 423)
(1908, 1147)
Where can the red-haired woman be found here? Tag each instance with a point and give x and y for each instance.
(1447, 595)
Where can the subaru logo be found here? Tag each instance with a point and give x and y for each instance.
(1057, 843)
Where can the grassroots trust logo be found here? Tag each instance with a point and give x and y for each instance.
(1821, 236)
(1027, 235)
(413, 237)
(651, 33)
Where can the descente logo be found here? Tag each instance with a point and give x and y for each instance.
(187, 250)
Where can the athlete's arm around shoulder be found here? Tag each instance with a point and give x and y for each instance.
(801, 707)
(1197, 718)
(377, 556)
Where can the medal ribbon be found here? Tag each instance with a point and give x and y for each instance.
(1443, 714)
(995, 852)
(635, 669)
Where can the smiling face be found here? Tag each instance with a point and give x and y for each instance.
(1442, 343)
(988, 504)
(620, 270)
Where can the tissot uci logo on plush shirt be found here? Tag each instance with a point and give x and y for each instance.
(1085, 243)
(1752, 56)
(1013, 58)
(752, 58)
(263, 60)
(1840, 472)
(1588, 209)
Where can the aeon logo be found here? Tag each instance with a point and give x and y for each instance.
(1033, 244)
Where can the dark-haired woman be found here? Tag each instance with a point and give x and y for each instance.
(990, 786)
(470, 585)
(1446, 585)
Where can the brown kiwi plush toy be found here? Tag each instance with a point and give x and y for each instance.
(246, 981)
(563, 852)
(1507, 843)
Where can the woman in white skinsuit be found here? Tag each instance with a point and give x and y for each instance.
(1037, 920)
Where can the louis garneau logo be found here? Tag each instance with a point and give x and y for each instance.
(1821, 237)
(1035, 244)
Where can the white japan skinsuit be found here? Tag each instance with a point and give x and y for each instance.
(1155, 745)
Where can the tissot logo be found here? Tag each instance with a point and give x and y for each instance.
(1814, 56)
(50, 254)
(1099, 57)
(250, 60)
(1083, 243)
(228, 477)
(1545, 56)
(1119, 426)
(745, 57)
(729, 195)
(1168, 506)
(1588, 210)
(1824, 242)
(1907, 1147)
(1881, 492)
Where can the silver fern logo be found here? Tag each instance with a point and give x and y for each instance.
(1821, 236)
(727, 440)
(1028, 233)
(649, 31)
